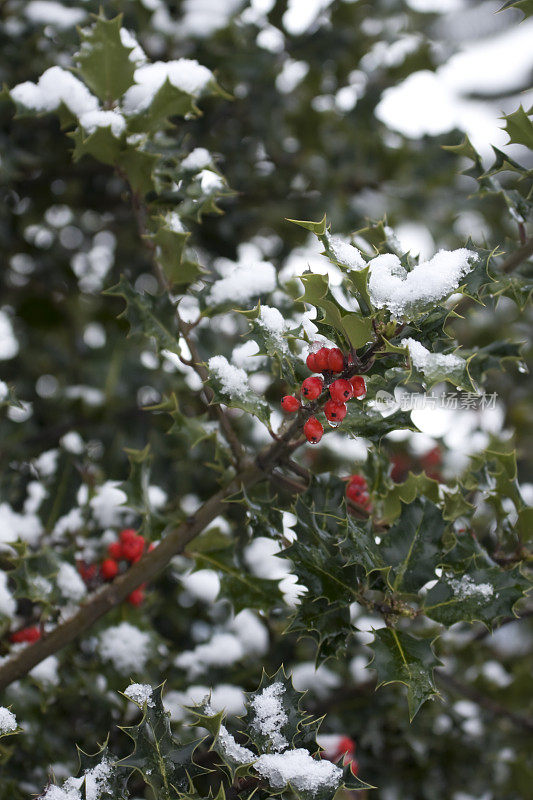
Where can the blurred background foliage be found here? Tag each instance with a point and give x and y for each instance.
(307, 131)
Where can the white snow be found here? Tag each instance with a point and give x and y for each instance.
(210, 181)
(8, 605)
(269, 715)
(244, 636)
(125, 646)
(233, 749)
(47, 671)
(245, 356)
(70, 583)
(204, 584)
(46, 463)
(137, 54)
(90, 786)
(35, 496)
(402, 292)
(466, 587)
(222, 650)
(13, 526)
(174, 222)
(4, 391)
(185, 74)
(92, 120)
(8, 721)
(301, 770)
(198, 159)
(223, 697)
(233, 380)
(306, 676)
(9, 345)
(242, 281)
(70, 522)
(272, 320)
(55, 86)
(107, 504)
(432, 365)
(345, 253)
(201, 18)
(72, 442)
(140, 693)
(48, 12)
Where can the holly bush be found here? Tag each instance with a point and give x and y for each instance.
(234, 561)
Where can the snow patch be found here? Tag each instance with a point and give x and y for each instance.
(55, 86)
(185, 74)
(140, 693)
(125, 646)
(8, 721)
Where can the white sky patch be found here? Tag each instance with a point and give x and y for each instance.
(93, 120)
(431, 364)
(302, 771)
(125, 646)
(55, 86)
(140, 693)
(8, 721)
(70, 583)
(47, 12)
(466, 587)
(391, 286)
(242, 280)
(185, 74)
(269, 715)
(9, 345)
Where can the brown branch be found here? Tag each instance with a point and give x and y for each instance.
(147, 568)
(490, 705)
(516, 258)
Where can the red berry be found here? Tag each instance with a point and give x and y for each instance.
(341, 390)
(335, 412)
(357, 480)
(136, 598)
(313, 430)
(133, 549)
(335, 360)
(311, 362)
(109, 569)
(358, 386)
(87, 571)
(127, 535)
(321, 359)
(26, 635)
(290, 404)
(346, 745)
(312, 388)
(432, 458)
(115, 551)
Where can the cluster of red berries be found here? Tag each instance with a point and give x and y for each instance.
(128, 549)
(357, 491)
(328, 361)
(403, 463)
(27, 635)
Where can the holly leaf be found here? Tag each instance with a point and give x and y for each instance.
(103, 60)
(524, 5)
(242, 397)
(412, 547)
(164, 764)
(483, 595)
(277, 687)
(170, 245)
(319, 228)
(355, 329)
(152, 316)
(400, 658)
(519, 126)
